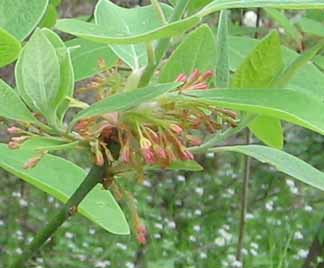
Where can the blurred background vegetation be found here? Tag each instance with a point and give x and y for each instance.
(192, 218)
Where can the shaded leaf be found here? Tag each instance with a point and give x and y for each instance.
(268, 130)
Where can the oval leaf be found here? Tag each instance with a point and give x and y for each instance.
(117, 25)
(38, 75)
(20, 17)
(61, 178)
(66, 87)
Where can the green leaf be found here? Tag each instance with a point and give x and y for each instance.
(308, 80)
(134, 55)
(47, 144)
(268, 130)
(11, 106)
(282, 161)
(86, 51)
(222, 66)
(38, 75)
(313, 27)
(20, 17)
(124, 101)
(197, 51)
(319, 62)
(261, 66)
(9, 48)
(55, 3)
(285, 23)
(259, 70)
(60, 178)
(188, 165)
(283, 79)
(66, 88)
(49, 19)
(217, 5)
(117, 25)
(283, 104)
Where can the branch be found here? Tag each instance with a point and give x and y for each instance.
(244, 199)
(92, 179)
(316, 249)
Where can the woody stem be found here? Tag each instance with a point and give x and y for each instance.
(92, 179)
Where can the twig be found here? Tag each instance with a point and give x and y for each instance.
(92, 179)
(316, 249)
(244, 199)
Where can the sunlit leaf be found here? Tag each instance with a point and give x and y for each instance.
(60, 178)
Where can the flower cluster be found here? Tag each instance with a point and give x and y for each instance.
(157, 132)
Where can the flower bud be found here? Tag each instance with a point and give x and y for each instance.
(194, 141)
(186, 155)
(194, 76)
(13, 145)
(148, 156)
(201, 85)
(181, 78)
(125, 154)
(13, 130)
(176, 128)
(141, 234)
(207, 75)
(19, 139)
